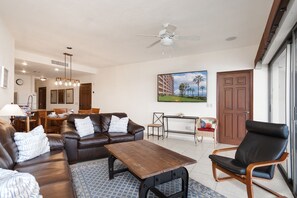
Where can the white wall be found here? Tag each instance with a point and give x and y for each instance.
(50, 85)
(6, 60)
(25, 90)
(133, 88)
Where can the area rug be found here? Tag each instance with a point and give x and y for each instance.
(91, 181)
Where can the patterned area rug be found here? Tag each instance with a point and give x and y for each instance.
(91, 180)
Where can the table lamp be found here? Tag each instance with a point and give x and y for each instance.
(12, 110)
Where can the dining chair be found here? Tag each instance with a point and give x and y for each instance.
(158, 122)
(262, 148)
(206, 127)
(60, 110)
(95, 110)
(42, 119)
(88, 111)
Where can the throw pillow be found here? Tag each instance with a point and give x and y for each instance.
(118, 124)
(16, 184)
(206, 123)
(84, 126)
(31, 144)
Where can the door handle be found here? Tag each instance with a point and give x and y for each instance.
(247, 112)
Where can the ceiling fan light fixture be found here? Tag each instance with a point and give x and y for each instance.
(166, 41)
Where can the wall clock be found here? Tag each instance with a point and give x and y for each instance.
(19, 82)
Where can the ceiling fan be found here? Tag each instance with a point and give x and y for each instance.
(167, 36)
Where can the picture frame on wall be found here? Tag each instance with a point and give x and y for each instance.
(182, 87)
(54, 96)
(61, 96)
(3, 77)
(70, 96)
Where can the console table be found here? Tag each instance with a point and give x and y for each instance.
(194, 118)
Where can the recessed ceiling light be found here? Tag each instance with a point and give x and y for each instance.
(42, 78)
(24, 63)
(56, 69)
(231, 38)
(23, 71)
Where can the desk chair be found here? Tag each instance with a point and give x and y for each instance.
(206, 127)
(158, 122)
(262, 148)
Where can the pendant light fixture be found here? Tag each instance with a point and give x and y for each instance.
(67, 81)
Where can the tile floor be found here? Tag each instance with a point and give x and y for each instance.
(202, 171)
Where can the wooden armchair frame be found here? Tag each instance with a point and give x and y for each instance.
(248, 178)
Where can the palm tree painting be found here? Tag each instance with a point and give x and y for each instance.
(202, 88)
(197, 80)
(182, 87)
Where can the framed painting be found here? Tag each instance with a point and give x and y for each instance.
(3, 77)
(69, 96)
(61, 96)
(182, 87)
(54, 96)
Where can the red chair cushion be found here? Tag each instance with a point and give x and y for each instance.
(206, 129)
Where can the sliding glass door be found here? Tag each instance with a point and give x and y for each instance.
(283, 101)
(294, 111)
(280, 77)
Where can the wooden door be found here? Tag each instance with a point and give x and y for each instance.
(42, 98)
(85, 96)
(234, 104)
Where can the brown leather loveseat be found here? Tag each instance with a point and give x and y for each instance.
(51, 170)
(92, 146)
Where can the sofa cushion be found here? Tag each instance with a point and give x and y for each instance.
(94, 117)
(120, 137)
(31, 144)
(84, 126)
(106, 118)
(57, 155)
(93, 140)
(49, 172)
(15, 184)
(118, 124)
(57, 189)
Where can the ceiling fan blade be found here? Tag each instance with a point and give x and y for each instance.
(147, 35)
(170, 28)
(154, 43)
(193, 37)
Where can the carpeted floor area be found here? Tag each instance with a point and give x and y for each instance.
(91, 180)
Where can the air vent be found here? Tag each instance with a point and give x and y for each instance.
(55, 62)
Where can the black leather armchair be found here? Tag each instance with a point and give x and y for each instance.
(262, 148)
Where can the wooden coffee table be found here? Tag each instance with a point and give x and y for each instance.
(151, 164)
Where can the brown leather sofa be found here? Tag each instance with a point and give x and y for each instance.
(92, 146)
(51, 170)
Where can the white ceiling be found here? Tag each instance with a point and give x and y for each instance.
(43, 70)
(103, 33)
